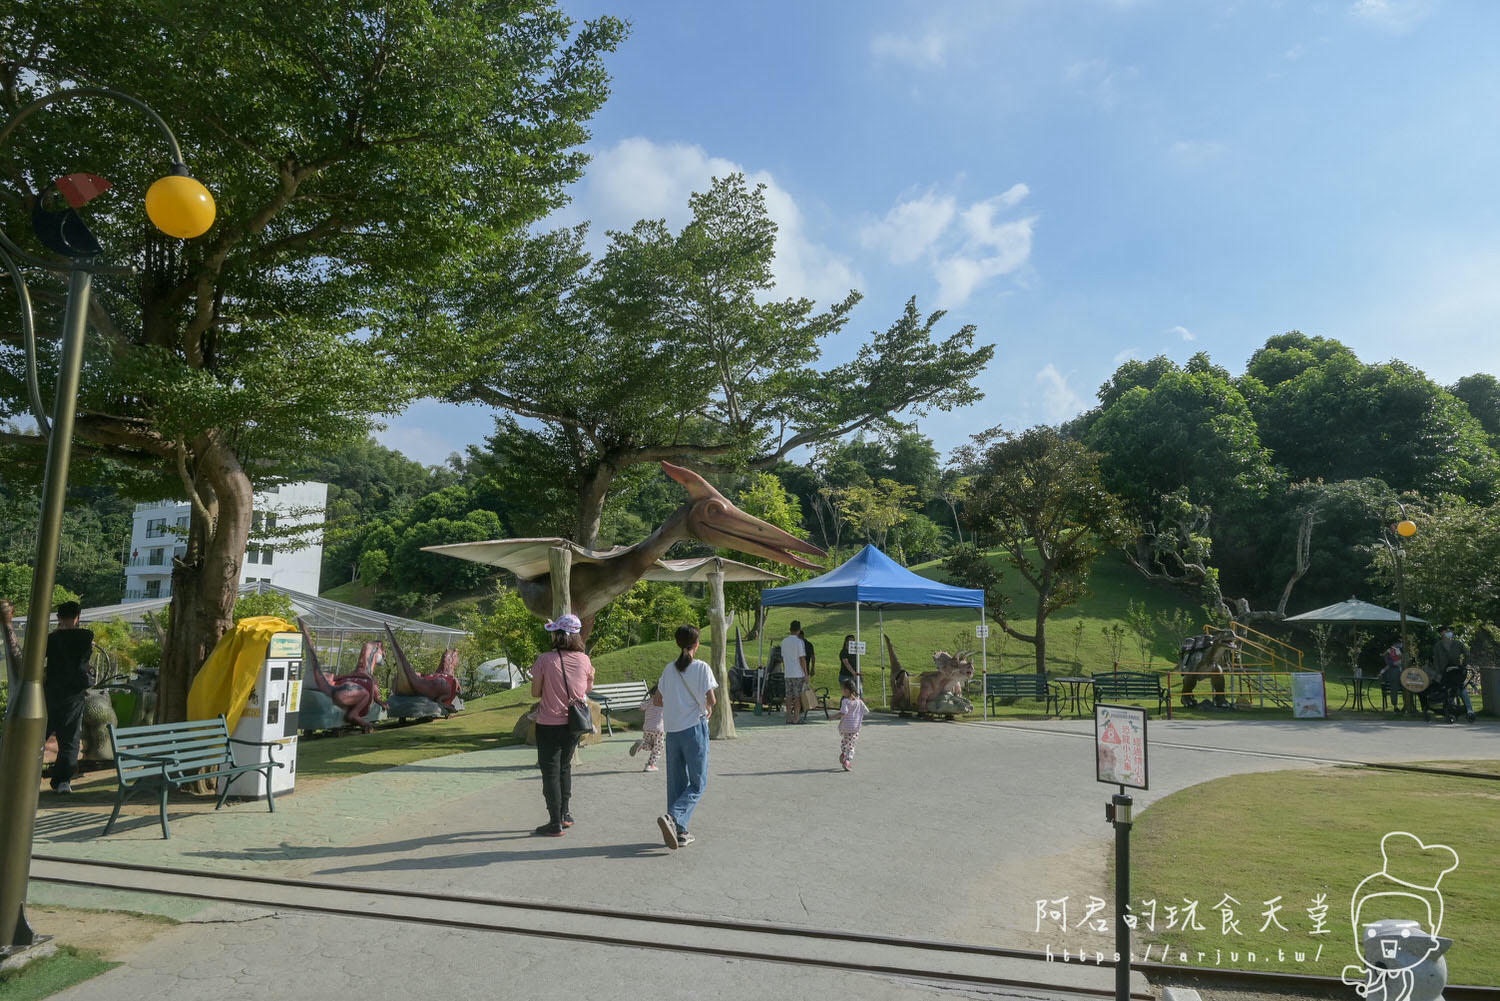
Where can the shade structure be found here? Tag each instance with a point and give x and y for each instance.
(1351, 611)
(873, 580)
(527, 559)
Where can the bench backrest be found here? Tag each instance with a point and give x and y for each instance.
(1128, 682)
(191, 744)
(624, 692)
(1015, 684)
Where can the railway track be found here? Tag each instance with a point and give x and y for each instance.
(1005, 972)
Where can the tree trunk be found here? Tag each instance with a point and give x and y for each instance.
(1041, 638)
(205, 582)
(591, 504)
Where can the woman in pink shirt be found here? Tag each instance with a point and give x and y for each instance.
(559, 676)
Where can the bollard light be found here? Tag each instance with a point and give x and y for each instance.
(179, 205)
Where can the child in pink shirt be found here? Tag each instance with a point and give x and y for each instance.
(852, 712)
(653, 732)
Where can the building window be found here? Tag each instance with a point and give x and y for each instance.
(182, 524)
(252, 554)
(271, 522)
(154, 559)
(265, 555)
(153, 589)
(156, 528)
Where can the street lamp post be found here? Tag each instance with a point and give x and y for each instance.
(1404, 529)
(178, 206)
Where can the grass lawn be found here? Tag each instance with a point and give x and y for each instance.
(485, 722)
(45, 977)
(1254, 837)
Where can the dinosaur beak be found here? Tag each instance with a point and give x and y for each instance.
(718, 522)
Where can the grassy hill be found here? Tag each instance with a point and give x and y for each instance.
(916, 635)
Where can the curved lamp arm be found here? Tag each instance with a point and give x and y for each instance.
(10, 252)
(28, 337)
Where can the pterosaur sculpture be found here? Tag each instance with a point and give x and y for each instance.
(423, 696)
(353, 694)
(594, 579)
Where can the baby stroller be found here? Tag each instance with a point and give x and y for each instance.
(1444, 695)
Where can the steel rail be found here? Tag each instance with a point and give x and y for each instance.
(1154, 970)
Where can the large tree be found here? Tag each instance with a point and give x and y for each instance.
(356, 149)
(1342, 419)
(672, 346)
(1039, 496)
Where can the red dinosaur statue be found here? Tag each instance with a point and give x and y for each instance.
(352, 693)
(441, 687)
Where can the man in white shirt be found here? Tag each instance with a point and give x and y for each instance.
(796, 669)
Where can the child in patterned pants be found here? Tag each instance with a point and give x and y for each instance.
(653, 733)
(852, 711)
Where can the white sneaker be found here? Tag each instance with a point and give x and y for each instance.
(668, 830)
(635, 747)
(63, 788)
(684, 839)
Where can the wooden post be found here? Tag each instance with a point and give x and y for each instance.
(560, 565)
(721, 724)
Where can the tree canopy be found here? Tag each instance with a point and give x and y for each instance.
(1040, 497)
(354, 150)
(689, 357)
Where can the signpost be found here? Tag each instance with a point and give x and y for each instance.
(1309, 699)
(1121, 760)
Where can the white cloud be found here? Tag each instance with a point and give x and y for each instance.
(926, 51)
(1059, 400)
(909, 229)
(964, 248)
(1196, 152)
(1121, 357)
(640, 179)
(1182, 332)
(1396, 16)
(1100, 80)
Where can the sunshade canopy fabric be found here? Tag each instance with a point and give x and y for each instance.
(1351, 610)
(527, 559)
(874, 580)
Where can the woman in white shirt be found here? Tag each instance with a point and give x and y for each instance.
(686, 695)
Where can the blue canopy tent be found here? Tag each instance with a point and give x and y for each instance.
(871, 579)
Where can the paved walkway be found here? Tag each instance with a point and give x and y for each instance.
(942, 831)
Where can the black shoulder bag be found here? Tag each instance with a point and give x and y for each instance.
(580, 718)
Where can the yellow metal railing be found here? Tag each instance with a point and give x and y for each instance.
(1256, 650)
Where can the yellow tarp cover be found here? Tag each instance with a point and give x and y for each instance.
(227, 678)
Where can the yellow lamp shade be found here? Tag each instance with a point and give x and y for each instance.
(179, 206)
(1406, 529)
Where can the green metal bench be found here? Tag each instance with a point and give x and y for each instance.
(1021, 686)
(1132, 686)
(177, 754)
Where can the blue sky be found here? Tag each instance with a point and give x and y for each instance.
(1083, 180)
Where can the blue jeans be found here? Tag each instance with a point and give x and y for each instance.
(687, 771)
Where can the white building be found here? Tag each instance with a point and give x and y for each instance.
(160, 529)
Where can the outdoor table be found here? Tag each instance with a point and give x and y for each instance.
(1362, 697)
(1075, 692)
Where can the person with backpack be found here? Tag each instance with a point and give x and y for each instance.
(686, 695)
(558, 677)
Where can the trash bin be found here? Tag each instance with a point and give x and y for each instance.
(1489, 689)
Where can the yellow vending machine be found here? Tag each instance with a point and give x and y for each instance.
(270, 716)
